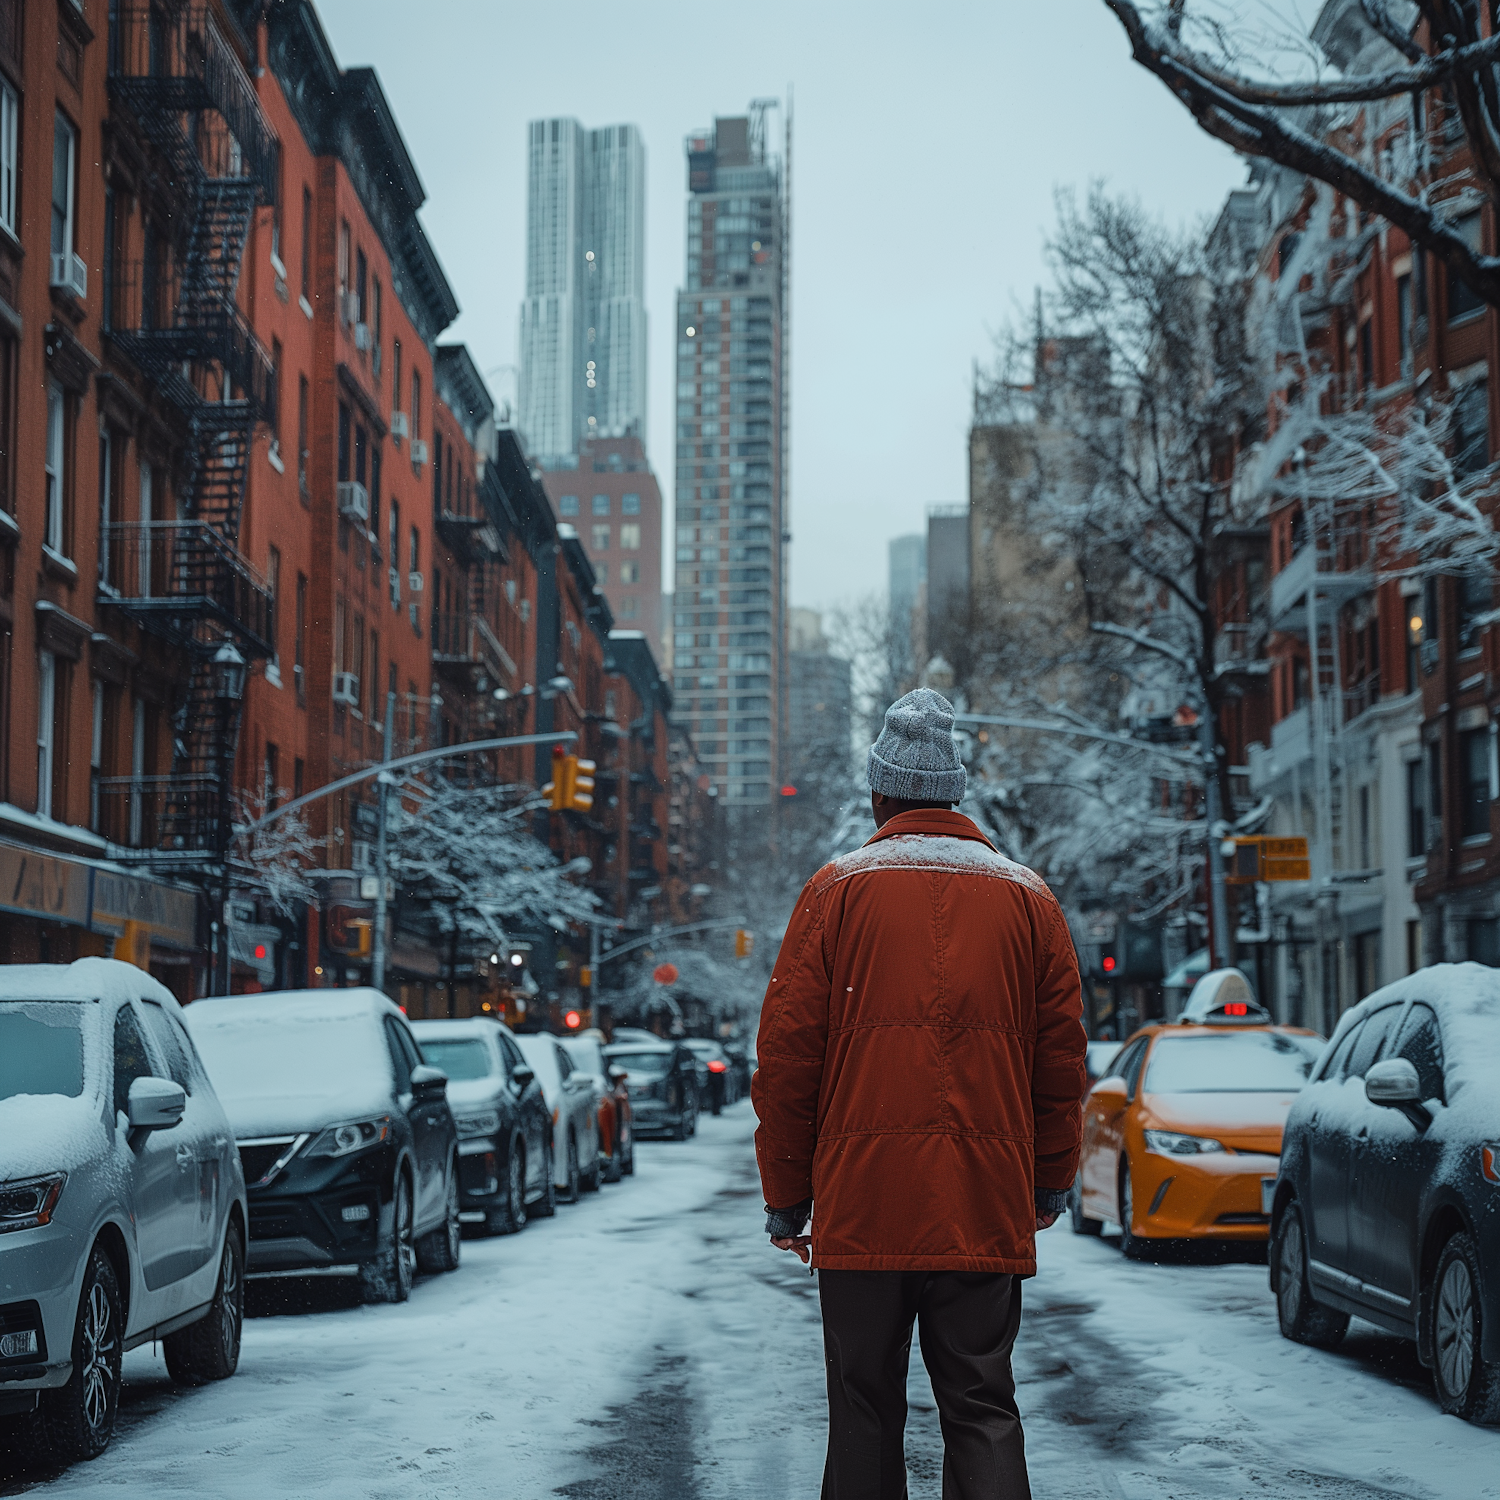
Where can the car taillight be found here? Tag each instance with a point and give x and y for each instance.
(1489, 1161)
(716, 1067)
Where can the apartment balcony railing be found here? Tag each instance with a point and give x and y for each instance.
(1363, 695)
(1312, 570)
(463, 643)
(171, 60)
(472, 538)
(159, 818)
(162, 325)
(170, 575)
(1237, 648)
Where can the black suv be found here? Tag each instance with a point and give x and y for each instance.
(348, 1146)
(1387, 1204)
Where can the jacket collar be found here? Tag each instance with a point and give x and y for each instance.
(934, 821)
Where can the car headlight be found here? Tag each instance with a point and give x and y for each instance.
(486, 1123)
(30, 1204)
(343, 1140)
(1170, 1143)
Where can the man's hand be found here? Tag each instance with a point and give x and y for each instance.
(1046, 1221)
(801, 1244)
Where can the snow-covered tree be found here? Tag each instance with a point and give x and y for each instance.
(273, 859)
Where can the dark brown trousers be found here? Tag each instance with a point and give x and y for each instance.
(968, 1326)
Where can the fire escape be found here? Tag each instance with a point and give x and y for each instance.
(174, 314)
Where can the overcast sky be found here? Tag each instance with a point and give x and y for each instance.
(927, 145)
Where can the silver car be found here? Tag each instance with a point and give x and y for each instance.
(122, 1204)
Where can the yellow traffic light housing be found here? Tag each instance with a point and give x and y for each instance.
(556, 790)
(580, 785)
(744, 943)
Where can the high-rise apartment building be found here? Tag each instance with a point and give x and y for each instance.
(583, 323)
(732, 406)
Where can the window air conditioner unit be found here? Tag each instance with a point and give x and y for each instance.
(418, 452)
(354, 500)
(350, 307)
(361, 335)
(346, 689)
(71, 274)
(399, 426)
(414, 582)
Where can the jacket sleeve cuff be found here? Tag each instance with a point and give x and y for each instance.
(1051, 1200)
(787, 1223)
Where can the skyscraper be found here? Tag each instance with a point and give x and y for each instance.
(583, 322)
(732, 406)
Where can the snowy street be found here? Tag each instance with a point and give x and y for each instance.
(647, 1344)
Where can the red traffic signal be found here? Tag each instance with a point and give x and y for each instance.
(572, 1020)
(665, 973)
(1108, 963)
(789, 791)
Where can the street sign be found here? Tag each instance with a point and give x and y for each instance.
(1262, 858)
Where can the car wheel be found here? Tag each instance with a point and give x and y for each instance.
(1301, 1317)
(77, 1420)
(614, 1168)
(628, 1165)
(1080, 1221)
(389, 1277)
(1132, 1246)
(1468, 1385)
(210, 1348)
(439, 1249)
(545, 1206)
(510, 1217)
(569, 1193)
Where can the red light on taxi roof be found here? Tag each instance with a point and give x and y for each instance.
(1236, 1008)
(1109, 966)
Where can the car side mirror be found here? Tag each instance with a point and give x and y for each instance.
(521, 1077)
(1394, 1084)
(428, 1082)
(617, 1074)
(578, 1081)
(155, 1104)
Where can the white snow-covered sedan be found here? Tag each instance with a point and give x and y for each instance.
(575, 1128)
(122, 1203)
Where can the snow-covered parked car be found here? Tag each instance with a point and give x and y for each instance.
(348, 1145)
(122, 1207)
(1387, 1204)
(504, 1125)
(570, 1099)
(611, 1103)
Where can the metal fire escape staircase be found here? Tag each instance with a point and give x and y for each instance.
(175, 315)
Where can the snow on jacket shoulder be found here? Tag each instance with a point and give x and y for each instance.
(921, 1054)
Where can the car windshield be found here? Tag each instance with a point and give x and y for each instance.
(649, 1064)
(1247, 1062)
(41, 1048)
(584, 1051)
(252, 1055)
(540, 1053)
(461, 1058)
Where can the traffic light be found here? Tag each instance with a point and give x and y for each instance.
(580, 785)
(744, 943)
(556, 790)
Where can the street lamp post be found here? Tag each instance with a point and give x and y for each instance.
(229, 691)
(382, 785)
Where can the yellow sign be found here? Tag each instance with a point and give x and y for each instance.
(134, 945)
(1270, 859)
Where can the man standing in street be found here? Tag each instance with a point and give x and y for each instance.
(921, 1070)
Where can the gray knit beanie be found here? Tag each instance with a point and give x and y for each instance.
(915, 759)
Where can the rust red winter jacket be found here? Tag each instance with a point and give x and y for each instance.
(921, 1054)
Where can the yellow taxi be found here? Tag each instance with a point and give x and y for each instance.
(1182, 1138)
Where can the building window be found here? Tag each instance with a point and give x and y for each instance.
(630, 572)
(416, 403)
(9, 130)
(1474, 768)
(1471, 427)
(377, 321)
(601, 536)
(1472, 598)
(307, 244)
(568, 505)
(601, 505)
(1463, 302)
(344, 442)
(628, 608)
(396, 374)
(1367, 353)
(299, 670)
(275, 423)
(1416, 810)
(375, 494)
(64, 170)
(361, 286)
(46, 730)
(630, 505)
(302, 450)
(1403, 321)
(630, 535)
(395, 554)
(55, 534)
(343, 272)
(1366, 963)
(273, 584)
